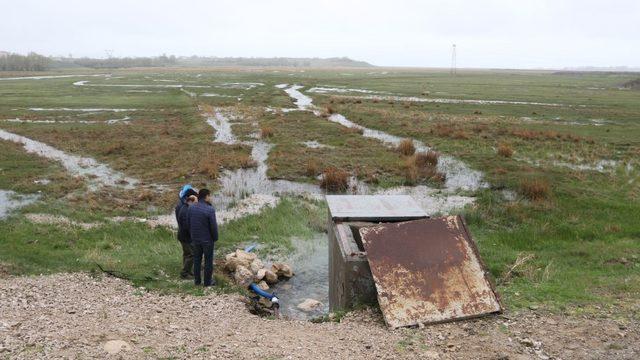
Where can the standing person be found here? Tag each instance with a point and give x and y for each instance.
(203, 228)
(184, 238)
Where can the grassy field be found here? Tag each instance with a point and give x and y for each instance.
(557, 226)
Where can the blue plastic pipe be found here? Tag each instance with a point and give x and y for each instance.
(254, 287)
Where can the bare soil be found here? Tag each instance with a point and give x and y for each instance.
(79, 316)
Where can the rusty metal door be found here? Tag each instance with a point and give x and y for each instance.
(428, 271)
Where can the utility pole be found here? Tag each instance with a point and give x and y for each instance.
(454, 69)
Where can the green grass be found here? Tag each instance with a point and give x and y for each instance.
(576, 237)
(148, 257)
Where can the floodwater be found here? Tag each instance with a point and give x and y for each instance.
(310, 263)
(302, 101)
(96, 173)
(220, 122)
(326, 90)
(124, 120)
(10, 200)
(458, 175)
(452, 101)
(171, 86)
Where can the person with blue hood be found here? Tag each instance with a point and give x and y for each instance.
(187, 196)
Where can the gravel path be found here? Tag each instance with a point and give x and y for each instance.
(79, 316)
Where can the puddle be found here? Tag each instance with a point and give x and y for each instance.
(602, 166)
(96, 173)
(432, 201)
(327, 90)
(302, 101)
(315, 145)
(146, 91)
(222, 126)
(216, 95)
(239, 85)
(10, 201)
(310, 263)
(240, 183)
(452, 101)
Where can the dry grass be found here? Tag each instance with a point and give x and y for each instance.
(429, 158)
(334, 180)
(209, 168)
(421, 167)
(266, 132)
(535, 189)
(312, 168)
(505, 150)
(406, 147)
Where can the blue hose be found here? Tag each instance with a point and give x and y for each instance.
(257, 290)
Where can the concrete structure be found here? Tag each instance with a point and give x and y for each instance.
(350, 279)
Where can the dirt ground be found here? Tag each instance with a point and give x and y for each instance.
(79, 316)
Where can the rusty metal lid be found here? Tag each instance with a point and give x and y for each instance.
(374, 208)
(428, 271)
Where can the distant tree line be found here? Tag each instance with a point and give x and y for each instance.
(126, 62)
(30, 62)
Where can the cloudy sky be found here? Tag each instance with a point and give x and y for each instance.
(488, 33)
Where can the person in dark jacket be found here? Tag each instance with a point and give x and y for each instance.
(203, 229)
(188, 197)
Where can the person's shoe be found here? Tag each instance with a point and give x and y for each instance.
(186, 277)
(212, 284)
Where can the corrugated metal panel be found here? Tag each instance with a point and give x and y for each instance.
(428, 271)
(374, 207)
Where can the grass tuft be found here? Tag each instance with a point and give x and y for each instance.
(406, 147)
(334, 180)
(505, 150)
(535, 189)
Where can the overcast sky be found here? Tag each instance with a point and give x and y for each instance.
(488, 33)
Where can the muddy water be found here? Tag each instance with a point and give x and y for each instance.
(310, 263)
(10, 200)
(96, 173)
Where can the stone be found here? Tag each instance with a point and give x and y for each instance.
(263, 285)
(260, 274)
(309, 305)
(256, 265)
(270, 277)
(282, 269)
(243, 276)
(115, 346)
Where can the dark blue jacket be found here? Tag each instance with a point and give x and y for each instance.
(183, 224)
(201, 218)
(183, 227)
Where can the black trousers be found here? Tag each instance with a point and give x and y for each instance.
(200, 251)
(187, 259)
